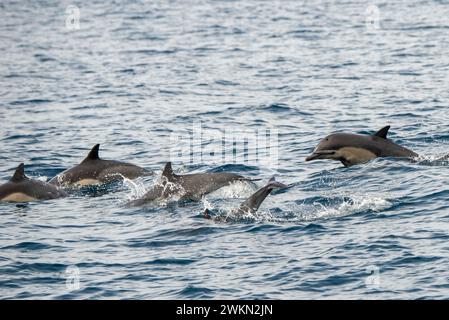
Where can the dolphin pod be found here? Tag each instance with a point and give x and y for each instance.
(350, 149)
(95, 171)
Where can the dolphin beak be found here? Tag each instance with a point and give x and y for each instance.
(320, 155)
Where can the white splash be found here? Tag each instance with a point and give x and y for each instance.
(207, 204)
(42, 178)
(350, 206)
(136, 187)
(342, 205)
(239, 189)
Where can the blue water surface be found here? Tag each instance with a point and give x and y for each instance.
(136, 73)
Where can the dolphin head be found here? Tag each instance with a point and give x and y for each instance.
(349, 149)
(328, 148)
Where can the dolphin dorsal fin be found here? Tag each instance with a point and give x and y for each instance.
(168, 172)
(93, 154)
(19, 175)
(382, 133)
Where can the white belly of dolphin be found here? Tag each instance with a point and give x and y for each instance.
(88, 182)
(18, 197)
(355, 155)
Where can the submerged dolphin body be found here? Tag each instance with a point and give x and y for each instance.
(252, 204)
(188, 186)
(20, 188)
(353, 149)
(94, 171)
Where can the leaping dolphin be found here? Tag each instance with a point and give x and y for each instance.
(353, 149)
(188, 186)
(94, 171)
(252, 204)
(20, 188)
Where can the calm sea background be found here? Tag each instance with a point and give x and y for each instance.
(136, 73)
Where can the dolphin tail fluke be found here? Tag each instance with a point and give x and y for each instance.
(253, 203)
(273, 184)
(19, 174)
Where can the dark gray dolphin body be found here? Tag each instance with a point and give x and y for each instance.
(353, 149)
(188, 186)
(20, 188)
(252, 204)
(93, 171)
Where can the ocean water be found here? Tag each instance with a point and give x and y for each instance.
(140, 77)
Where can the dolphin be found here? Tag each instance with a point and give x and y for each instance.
(252, 204)
(94, 171)
(20, 188)
(352, 149)
(188, 186)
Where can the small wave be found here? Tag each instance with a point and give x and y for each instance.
(27, 246)
(170, 262)
(226, 83)
(192, 292)
(277, 107)
(43, 58)
(30, 102)
(235, 168)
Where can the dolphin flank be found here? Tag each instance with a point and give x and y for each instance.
(93, 171)
(188, 186)
(351, 149)
(20, 188)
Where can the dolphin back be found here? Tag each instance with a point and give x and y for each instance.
(94, 170)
